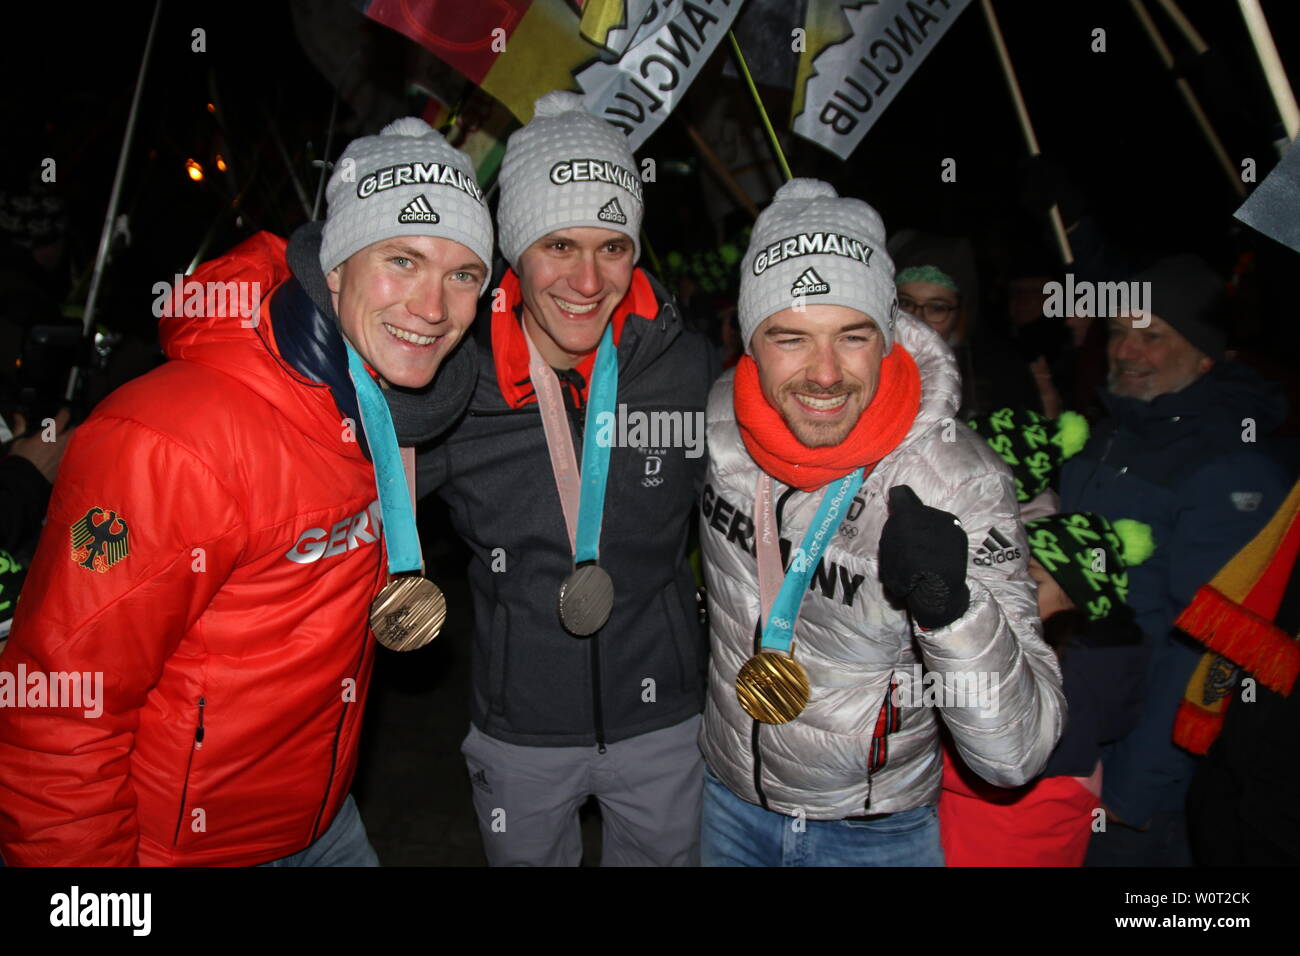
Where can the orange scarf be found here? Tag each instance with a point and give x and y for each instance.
(510, 350)
(882, 426)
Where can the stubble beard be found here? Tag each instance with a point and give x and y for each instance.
(1151, 388)
(814, 434)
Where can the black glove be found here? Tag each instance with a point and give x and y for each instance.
(923, 555)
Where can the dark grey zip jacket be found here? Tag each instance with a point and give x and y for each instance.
(533, 682)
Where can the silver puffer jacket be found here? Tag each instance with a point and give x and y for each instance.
(989, 675)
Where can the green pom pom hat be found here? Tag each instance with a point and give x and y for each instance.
(1032, 445)
(1089, 556)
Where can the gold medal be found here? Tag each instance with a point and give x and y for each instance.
(772, 687)
(408, 613)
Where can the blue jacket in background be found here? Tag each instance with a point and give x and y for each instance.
(1190, 464)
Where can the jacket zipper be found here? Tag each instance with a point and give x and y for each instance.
(338, 733)
(892, 726)
(758, 646)
(595, 692)
(189, 763)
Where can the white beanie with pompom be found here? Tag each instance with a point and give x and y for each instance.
(566, 168)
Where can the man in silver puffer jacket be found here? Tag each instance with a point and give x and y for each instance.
(841, 382)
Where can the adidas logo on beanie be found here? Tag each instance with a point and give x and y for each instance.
(612, 212)
(809, 283)
(418, 210)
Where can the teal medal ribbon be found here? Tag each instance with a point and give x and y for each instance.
(395, 503)
(782, 611)
(410, 609)
(771, 686)
(601, 397)
(586, 597)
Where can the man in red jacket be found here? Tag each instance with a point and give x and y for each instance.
(189, 661)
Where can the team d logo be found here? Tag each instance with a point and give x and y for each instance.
(809, 283)
(99, 540)
(418, 210)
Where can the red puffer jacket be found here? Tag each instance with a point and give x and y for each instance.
(211, 549)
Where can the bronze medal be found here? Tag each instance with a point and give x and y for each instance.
(772, 687)
(408, 613)
(586, 600)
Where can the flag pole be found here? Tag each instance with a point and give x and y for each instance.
(721, 171)
(1266, 50)
(1189, 95)
(1189, 32)
(650, 251)
(326, 163)
(114, 197)
(758, 101)
(1026, 127)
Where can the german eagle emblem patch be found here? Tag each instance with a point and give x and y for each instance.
(99, 540)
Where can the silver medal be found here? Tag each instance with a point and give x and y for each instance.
(586, 600)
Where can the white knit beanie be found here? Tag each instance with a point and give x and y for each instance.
(566, 168)
(813, 247)
(406, 181)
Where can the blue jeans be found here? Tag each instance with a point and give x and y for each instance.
(734, 832)
(344, 844)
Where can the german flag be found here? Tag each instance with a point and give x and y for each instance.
(515, 50)
(1235, 616)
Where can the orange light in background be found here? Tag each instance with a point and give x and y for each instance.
(211, 108)
(221, 163)
(194, 169)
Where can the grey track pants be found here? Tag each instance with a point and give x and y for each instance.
(649, 787)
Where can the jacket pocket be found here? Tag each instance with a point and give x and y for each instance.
(196, 745)
(497, 660)
(889, 718)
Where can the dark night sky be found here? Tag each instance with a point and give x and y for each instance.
(1113, 120)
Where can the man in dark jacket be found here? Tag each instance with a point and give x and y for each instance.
(1180, 453)
(592, 704)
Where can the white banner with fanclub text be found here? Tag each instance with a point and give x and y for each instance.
(855, 75)
(637, 92)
